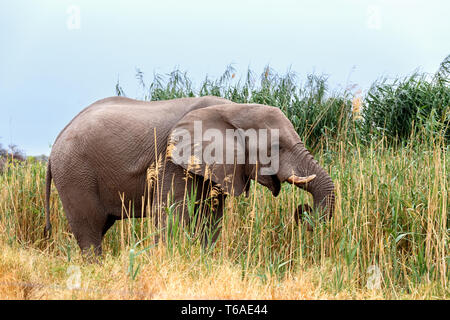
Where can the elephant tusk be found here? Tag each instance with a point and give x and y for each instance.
(300, 180)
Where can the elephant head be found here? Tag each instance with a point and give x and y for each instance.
(235, 143)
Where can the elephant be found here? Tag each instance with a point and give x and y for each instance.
(120, 150)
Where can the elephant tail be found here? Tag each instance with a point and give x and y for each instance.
(48, 183)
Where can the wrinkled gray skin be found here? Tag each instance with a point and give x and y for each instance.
(107, 148)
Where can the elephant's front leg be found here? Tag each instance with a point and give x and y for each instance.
(171, 203)
(213, 223)
(170, 219)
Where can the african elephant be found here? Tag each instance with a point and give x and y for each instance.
(110, 147)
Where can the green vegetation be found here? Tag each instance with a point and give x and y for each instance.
(390, 109)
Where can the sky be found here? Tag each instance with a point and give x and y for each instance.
(59, 56)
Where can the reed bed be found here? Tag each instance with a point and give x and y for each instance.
(388, 238)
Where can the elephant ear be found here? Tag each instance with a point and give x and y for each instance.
(201, 143)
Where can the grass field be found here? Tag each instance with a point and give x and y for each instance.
(388, 238)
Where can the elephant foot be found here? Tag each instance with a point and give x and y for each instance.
(92, 254)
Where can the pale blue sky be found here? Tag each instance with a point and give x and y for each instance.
(51, 67)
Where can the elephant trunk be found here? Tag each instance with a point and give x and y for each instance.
(324, 196)
(321, 187)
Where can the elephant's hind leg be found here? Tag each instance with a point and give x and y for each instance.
(91, 242)
(109, 223)
(87, 220)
